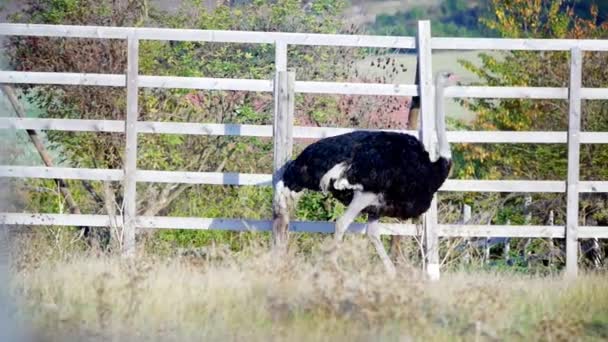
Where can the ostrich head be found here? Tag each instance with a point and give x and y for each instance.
(445, 78)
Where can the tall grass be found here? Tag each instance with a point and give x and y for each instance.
(253, 295)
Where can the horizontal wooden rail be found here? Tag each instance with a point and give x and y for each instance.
(346, 88)
(195, 223)
(205, 83)
(523, 186)
(249, 37)
(453, 43)
(219, 36)
(44, 172)
(506, 92)
(214, 178)
(62, 78)
(204, 129)
(510, 137)
(300, 132)
(303, 132)
(68, 125)
(590, 232)
(261, 85)
(218, 178)
(593, 186)
(469, 230)
(262, 225)
(55, 220)
(594, 137)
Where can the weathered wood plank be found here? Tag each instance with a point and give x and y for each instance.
(593, 186)
(60, 173)
(284, 104)
(154, 127)
(69, 220)
(196, 223)
(70, 125)
(594, 93)
(130, 162)
(73, 31)
(509, 137)
(220, 36)
(311, 87)
(63, 78)
(590, 232)
(346, 88)
(303, 132)
(280, 56)
(507, 92)
(300, 132)
(218, 178)
(205, 83)
(213, 178)
(440, 43)
(594, 138)
(470, 230)
(574, 128)
(427, 125)
(452, 43)
(523, 186)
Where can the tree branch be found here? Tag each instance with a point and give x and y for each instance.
(167, 197)
(44, 155)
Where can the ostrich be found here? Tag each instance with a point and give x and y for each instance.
(378, 173)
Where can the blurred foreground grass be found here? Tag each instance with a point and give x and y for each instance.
(252, 296)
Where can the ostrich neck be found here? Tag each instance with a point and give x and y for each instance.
(442, 141)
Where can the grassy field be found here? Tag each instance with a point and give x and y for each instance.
(254, 296)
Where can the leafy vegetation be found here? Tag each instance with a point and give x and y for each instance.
(522, 18)
(452, 18)
(517, 68)
(538, 19)
(187, 152)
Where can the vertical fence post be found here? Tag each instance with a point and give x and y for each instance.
(506, 252)
(551, 245)
(130, 162)
(466, 218)
(527, 222)
(284, 104)
(574, 128)
(425, 88)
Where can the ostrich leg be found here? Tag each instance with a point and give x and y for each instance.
(361, 200)
(373, 233)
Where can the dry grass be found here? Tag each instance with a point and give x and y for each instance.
(253, 296)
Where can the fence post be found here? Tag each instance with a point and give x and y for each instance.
(427, 124)
(284, 104)
(527, 222)
(574, 128)
(506, 252)
(551, 245)
(466, 218)
(130, 162)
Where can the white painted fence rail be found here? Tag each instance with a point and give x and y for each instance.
(424, 44)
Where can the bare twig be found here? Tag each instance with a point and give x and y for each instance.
(172, 192)
(44, 155)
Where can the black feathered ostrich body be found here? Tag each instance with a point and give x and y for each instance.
(394, 166)
(379, 173)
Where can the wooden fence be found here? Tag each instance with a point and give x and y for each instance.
(423, 43)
